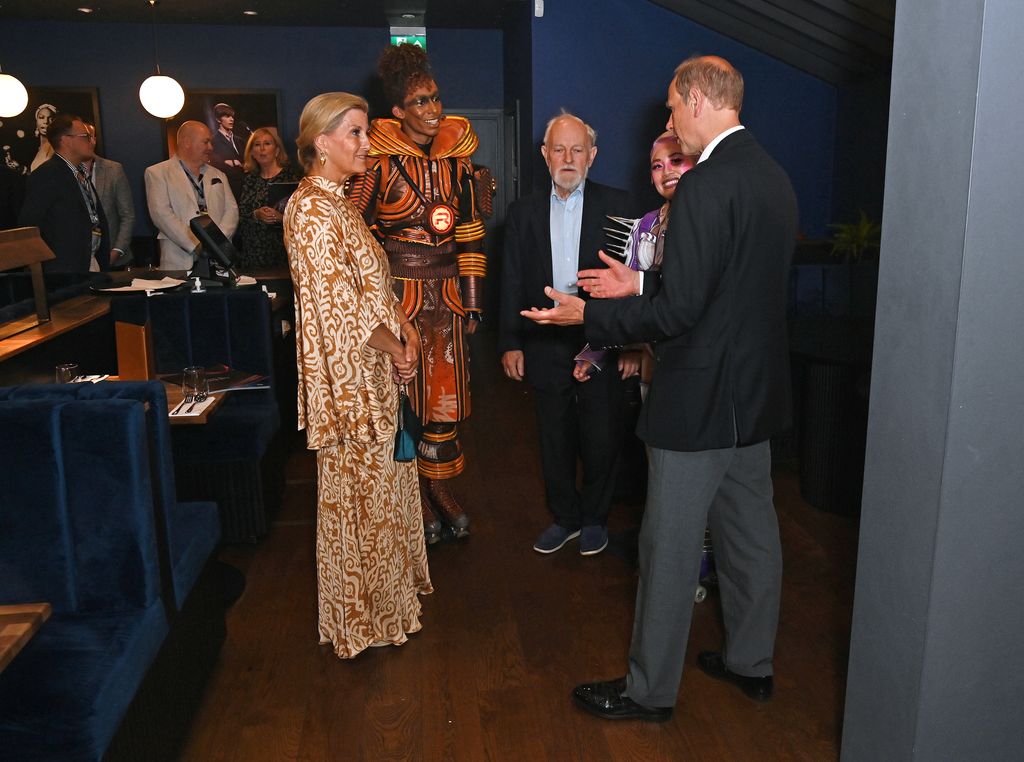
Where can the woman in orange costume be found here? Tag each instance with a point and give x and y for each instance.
(418, 196)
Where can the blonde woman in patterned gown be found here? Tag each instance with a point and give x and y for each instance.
(370, 551)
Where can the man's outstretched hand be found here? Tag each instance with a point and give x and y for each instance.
(568, 312)
(615, 281)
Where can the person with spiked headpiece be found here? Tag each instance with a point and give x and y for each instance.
(418, 196)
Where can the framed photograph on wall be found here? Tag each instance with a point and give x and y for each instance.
(231, 115)
(23, 145)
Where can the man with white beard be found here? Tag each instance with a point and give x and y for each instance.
(549, 236)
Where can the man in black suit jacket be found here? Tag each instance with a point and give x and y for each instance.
(720, 391)
(61, 201)
(548, 235)
(228, 148)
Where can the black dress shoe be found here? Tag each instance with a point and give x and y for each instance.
(757, 688)
(607, 700)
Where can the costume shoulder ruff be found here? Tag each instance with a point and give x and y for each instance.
(455, 139)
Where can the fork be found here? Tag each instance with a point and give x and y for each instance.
(185, 401)
(200, 396)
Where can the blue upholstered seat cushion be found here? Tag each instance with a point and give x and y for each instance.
(65, 694)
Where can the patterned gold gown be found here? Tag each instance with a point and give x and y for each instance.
(370, 551)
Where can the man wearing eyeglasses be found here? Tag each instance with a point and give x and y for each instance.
(62, 202)
(111, 183)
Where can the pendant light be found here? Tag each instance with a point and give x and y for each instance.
(13, 96)
(160, 95)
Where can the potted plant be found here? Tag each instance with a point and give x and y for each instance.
(856, 241)
(857, 245)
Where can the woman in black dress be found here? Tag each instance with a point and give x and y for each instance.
(265, 190)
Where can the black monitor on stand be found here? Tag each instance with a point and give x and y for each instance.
(215, 264)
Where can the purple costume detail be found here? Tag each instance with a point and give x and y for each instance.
(642, 251)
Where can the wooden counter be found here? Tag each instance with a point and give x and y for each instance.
(64, 316)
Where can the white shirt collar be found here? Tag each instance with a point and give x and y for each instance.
(573, 198)
(714, 143)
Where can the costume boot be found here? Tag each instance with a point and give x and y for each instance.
(447, 507)
(431, 524)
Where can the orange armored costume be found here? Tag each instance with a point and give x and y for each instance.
(418, 196)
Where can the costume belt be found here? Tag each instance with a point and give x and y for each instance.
(413, 260)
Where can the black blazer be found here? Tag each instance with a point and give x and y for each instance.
(719, 313)
(526, 270)
(54, 204)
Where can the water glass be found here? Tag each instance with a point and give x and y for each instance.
(66, 372)
(193, 381)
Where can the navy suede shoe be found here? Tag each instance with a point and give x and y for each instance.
(553, 538)
(608, 701)
(593, 540)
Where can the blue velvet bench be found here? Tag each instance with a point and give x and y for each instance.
(226, 460)
(90, 524)
(77, 530)
(188, 532)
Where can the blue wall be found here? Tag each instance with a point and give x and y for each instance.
(610, 62)
(298, 62)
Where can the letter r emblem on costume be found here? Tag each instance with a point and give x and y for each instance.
(441, 219)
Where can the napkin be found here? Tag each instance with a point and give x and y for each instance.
(197, 410)
(144, 284)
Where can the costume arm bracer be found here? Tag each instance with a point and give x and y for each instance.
(469, 238)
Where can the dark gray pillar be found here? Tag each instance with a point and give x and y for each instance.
(937, 652)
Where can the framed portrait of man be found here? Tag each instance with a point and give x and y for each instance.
(23, 144)
(231, 115)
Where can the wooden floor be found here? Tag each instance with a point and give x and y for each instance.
(508, 633)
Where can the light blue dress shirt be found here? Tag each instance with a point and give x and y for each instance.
(566, 221)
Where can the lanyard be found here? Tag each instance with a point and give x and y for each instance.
(88, 191)
(197, 186)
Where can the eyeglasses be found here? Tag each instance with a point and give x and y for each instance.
(423, 100)
(85, 135)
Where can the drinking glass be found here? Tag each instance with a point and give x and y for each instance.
(66, 372)
(194, 383)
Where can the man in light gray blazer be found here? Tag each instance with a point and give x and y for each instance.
(115, 194)
(184, 187)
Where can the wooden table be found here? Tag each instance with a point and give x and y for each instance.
(174, 396)
(18, 623)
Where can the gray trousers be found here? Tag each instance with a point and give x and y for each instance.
(731, 490)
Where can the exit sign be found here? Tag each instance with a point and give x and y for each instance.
(414, 39)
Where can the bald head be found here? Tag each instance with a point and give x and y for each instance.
(195, 144)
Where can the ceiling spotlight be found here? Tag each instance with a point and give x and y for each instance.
(408, 15)
(84, 9)
(250, 13)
